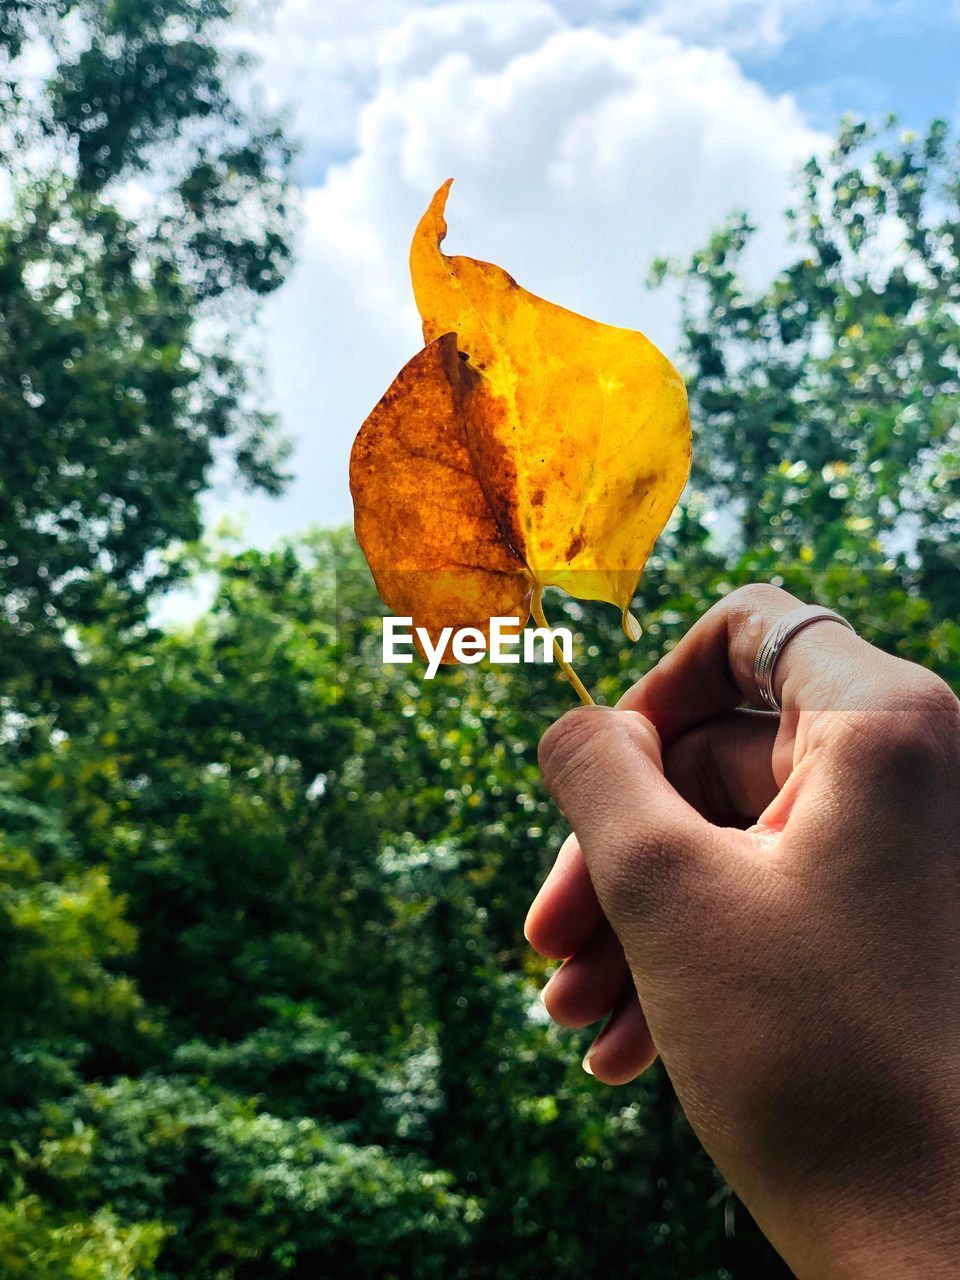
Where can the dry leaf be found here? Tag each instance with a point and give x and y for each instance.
(525, 446)
(423, 521)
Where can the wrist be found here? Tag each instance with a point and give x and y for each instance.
(853, 1174)
(897, 1217)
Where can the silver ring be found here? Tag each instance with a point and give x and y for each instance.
(776, 638)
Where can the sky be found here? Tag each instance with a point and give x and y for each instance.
(584, 140)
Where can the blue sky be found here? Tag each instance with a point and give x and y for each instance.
(584, 138)
(907, 61)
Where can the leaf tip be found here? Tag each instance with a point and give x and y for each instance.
(434, 217)
(431, 231)
(631, 627)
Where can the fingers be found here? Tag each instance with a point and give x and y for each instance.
(586, 987)
(624, 1048)
(711, 669)
(565, 912)
(724, 768)
(668, 880)
(592, 984)
(721, 768)
(645, 847)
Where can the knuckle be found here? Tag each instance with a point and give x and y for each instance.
(921, 733)
(584, 741)
(585, 758)
(571, 746)
(934, 712)
(942, 705)
(640, 733)
(757, 597)
(640, 876)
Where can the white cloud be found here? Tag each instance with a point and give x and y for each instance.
(752, 26)
(755, 27)
(320, 57)
(579, 154)
(323, 62)
(489, 34)
(318, 60)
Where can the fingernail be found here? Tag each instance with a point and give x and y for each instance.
(586, 1065)
(542, 995)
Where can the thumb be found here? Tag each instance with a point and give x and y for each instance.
(655, 863)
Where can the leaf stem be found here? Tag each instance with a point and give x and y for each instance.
(536, 608)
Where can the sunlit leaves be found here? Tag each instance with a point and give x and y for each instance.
(524, 442)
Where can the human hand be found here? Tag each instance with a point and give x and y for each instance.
(773, 904)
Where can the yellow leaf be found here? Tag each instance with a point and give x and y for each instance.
(525, 446)
(432, 542)
(590, 449)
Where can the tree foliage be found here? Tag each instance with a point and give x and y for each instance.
(146, 203)
(267, 1008)
(827, 400)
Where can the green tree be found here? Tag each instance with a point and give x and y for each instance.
(826, 401)
(327, 866)
(147, 203)
(274, 1012)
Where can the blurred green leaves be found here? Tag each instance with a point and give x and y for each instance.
(148, 205)
(826, 401)
(266, 1005)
